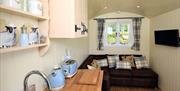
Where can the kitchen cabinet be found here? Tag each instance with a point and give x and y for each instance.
(68, 18)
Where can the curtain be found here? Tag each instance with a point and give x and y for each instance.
(136, 33)
(100, 33)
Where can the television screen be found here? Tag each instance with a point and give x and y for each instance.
(167, 37)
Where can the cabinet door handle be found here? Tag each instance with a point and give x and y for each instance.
(77, 28)
(84, 28)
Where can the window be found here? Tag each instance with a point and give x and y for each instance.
(118, 32)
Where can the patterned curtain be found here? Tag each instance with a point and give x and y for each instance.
(136, 33)
(100, 33)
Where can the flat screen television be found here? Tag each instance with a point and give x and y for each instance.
(167, 37)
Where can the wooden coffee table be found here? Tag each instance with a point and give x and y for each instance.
(73, 84)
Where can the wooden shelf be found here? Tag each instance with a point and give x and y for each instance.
(21, 13)
(41, 21)
(18, 48)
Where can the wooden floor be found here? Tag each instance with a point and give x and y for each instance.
(132, 89)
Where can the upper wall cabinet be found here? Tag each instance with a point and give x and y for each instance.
(68, 18)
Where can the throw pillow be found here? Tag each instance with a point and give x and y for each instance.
(129, 59)
(123, 65)
(112, 60)
(142, 58)
(102, 62)
(142, 64)
(94, 64)
(90, 67)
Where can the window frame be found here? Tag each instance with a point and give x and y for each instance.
(130, 35)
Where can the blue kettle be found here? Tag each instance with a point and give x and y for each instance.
(57, 79)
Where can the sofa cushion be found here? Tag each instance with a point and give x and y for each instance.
(120, 72)
(101, 62)
(141, 58)
(144, 73)
(112, 60)
(129, 59)
(142, 64)
(123, 65)
(90, 67)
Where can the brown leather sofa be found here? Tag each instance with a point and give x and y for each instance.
(144, 77)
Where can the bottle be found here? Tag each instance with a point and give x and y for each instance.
(24, 39)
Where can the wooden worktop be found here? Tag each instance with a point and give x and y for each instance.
(73, 85)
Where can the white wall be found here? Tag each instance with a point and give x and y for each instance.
(15, 65)
(165, 60)
(145, 29)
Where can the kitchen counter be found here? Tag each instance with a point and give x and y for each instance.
(73, 85)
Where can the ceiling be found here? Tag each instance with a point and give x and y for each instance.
(148, 8)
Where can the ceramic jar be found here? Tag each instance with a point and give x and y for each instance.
(35, 7)
(24, 39)
(11, 3)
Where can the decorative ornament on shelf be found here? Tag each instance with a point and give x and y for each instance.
(8, 37)
(24, 36)
(34, 37)
(43, 39)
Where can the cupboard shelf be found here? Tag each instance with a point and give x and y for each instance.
(21, 13)
(18, 48)
(19, 17)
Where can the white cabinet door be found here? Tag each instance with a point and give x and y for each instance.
(86, 12)
(84, 16)
(62, 18)
(78, 16)
(64, 15)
